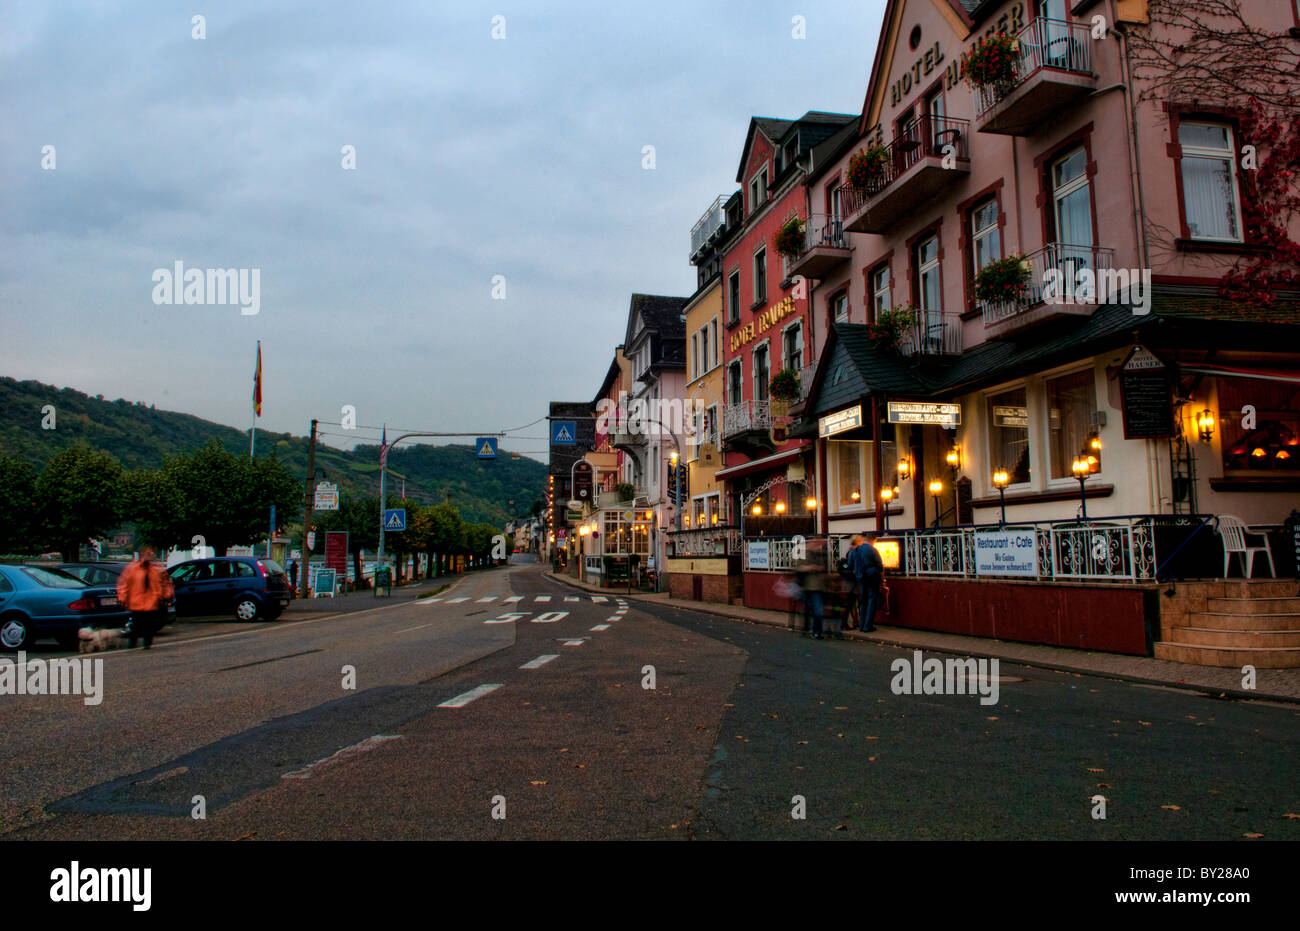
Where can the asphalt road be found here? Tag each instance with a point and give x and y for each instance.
(511, 706)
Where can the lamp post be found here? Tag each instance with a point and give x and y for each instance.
(936, 489)
(779, 507)
(1000, 481)
(1080, 469)
(886, 496)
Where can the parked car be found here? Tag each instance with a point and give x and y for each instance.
(38, 603)
(104, 573)
(245, 586)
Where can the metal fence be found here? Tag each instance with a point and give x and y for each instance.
(1066, 261)
(1043, 43)
(705, 541)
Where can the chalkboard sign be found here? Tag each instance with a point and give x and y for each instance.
(616, 570)
(1148, 406)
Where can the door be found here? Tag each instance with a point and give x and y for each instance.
(1072, 212)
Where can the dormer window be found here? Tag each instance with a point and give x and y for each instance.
(758, 190)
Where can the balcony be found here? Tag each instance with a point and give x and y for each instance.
(1054, 69)
(710, 226)
(933, 334)
(746, 417)
(932, 154)
(1043, 300)
(825, 247)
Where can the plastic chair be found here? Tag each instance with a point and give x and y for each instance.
(1233, 531)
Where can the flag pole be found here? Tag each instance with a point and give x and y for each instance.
(257, 399)
(383, 465)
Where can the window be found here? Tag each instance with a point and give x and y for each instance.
(1071, 406)
(986, 239)
(711, 424)
(762, 372)
(1009, 434)
(758, 190)
(840, 308)
(760, 276)
(792, 347)
(833, 200)
(1208, 166)
(704, 349)
(850, 491)
(1272, 442)
(734, 383)
(624, 536)
(879, 291)
(695, 355)
(733, 298)
(713, 342)
(1072, 209)
(244, 570)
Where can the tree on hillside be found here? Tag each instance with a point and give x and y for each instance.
(78, 497)
(18, 494)
(151, 500)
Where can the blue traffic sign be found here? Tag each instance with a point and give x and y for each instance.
(486, 446)
(395, 519)
(564, 433)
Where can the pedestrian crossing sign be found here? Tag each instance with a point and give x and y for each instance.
(486, 446)
(564, 433)
(395, 519)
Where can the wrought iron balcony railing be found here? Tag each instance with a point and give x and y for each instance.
(1042, 43)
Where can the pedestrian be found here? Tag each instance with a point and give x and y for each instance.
(144, 589)
(869, 571)
(293, 576)
(811, 576)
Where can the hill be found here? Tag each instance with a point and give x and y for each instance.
(139, 436)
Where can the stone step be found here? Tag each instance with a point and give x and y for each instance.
(1273, 658)
(1247, 639)
(1218, 621)
(1261, 588)
(1258, 605)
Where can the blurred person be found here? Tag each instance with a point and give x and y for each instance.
(810, 576)
(869, 571)
(144, 589)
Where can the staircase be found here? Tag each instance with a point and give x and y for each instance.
(1233, 623)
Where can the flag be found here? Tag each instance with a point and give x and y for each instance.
(403, 488)
(383, 447)
(257, 383)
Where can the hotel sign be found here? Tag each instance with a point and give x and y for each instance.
(1010, 416)
(840, 421)
(762, 322)
(940, 413)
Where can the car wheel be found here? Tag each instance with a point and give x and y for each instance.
(246, 610)
(15, 632)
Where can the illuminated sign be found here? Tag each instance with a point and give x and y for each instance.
(839, 421)
(931, 412)
(762, 322)
(1010, 416)
(888, 550)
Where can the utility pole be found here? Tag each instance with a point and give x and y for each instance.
(306, 512)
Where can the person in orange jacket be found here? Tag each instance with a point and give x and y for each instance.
(144, 589)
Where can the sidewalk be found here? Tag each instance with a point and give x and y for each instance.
(1270, 684)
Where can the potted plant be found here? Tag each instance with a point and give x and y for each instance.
(887, 330)
(785, 385)
(867, 168)
(790, 238)
(626, 491)
(991, 62)
(1003, 280)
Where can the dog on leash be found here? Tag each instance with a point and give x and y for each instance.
(92, 640)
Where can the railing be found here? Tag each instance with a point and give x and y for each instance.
(718, 540)
(1065, 262)
(783, 554)
(1043, 43)
(927, 136)
(821, 230)
(932, 334)
(745, 416)
(713, 220)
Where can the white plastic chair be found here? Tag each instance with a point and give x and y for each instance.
(1233, 531)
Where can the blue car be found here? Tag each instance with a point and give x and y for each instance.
(247, 587)
(38, 604)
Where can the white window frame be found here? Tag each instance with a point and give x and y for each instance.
(984, 232)
(695, 356)
(880, 292)
(766, 347)
(835, 316)
(803, 350)
(986, 401)
(1065, 190)
(759, 279)
(1045, 430)
(737, 363)
(833, 477)
(1230, 156)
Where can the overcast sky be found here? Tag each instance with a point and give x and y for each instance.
(475, 157)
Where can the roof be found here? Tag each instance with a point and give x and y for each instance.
(827, 152)
(813, 126)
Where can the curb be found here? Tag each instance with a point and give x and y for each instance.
(1208, 690)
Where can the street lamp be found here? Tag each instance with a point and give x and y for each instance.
(779, 507)
(1081, 471)
(1001, 479)
(886, 495)
(936, 489)
(904, 468)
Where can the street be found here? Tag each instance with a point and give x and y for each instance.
(513, 707)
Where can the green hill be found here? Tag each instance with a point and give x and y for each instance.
(139, 436)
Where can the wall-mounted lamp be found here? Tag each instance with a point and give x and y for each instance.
(904, 468)
(1001, 479)
(811, 504)
(936, 489)
(1205, 425)
(1082, 469)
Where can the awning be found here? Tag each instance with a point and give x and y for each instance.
(1243, 371)
(759, 465)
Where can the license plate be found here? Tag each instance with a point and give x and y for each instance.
(104, 602)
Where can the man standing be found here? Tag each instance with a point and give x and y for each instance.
(869, 571)
(293, 577)
(144, 590)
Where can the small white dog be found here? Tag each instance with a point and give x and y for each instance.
(92, 640)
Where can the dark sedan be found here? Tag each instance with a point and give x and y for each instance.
(103, 573)
(245, 586)
(37, 603)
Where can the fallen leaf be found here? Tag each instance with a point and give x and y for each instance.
(992, 719)
(580, 765)
(1096, 770)
(871, 759)
(1103, 785)
(841, 707)
(1252, 836)
(1145, 723)
(841, 736)
(842, 827)
(803, 743)
(873, 738)
(1291, 816)
(618, 685)
(537, 782)
(770, 715)
(672, 827)
(1172, 807)
(564, 749)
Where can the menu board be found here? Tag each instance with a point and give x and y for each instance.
(1148, 405)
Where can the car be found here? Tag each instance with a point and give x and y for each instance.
(39, 603)
(246, 586)
(104, 573)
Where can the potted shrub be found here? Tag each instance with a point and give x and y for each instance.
(887, 330)
(790, 238)
(626, 491)
(785, 385)
(1003, 280)
(991, 62)
(867, 168)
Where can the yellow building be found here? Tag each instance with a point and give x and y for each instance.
(704, 397)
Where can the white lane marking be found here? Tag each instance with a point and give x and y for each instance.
(463, 699)
(369, 743)
(514, 598)
(483, 601)
(453, 601)
(507, 618)
(542, 598)
(409, 629)
(540, 661)
(601, 627)
(614, 617)
(599, 599)
(574, 643)
(571, 598)
(550, 617)
(429, 601)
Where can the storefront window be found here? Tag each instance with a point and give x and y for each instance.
(848, 475)
(1271, 443)
(1071, 406)
(1009, 434)
(622, 536)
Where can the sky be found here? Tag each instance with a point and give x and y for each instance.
(470, 258)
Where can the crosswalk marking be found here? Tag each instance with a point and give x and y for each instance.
(614, 617)
(599, 599)
(514, 598)
(453, 601)
(483, 601)
(572, 598)
(601, 627)
(542, 598)
(574, 643)
(429, 601)
(540, 661)
(463, 699)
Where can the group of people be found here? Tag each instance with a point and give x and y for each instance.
(859, 581)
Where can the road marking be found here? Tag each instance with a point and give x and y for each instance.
(540, 661)
(514, 598)
(614, 617)
(571, 598)
(483, 601)
(507, 618)
(429, 601)
(453, 601)
(599, 599)
(463, 699)
(574, 643)
(369, 743)
(409, 629)
(601, 627)
(550, 617)
(542, 598)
